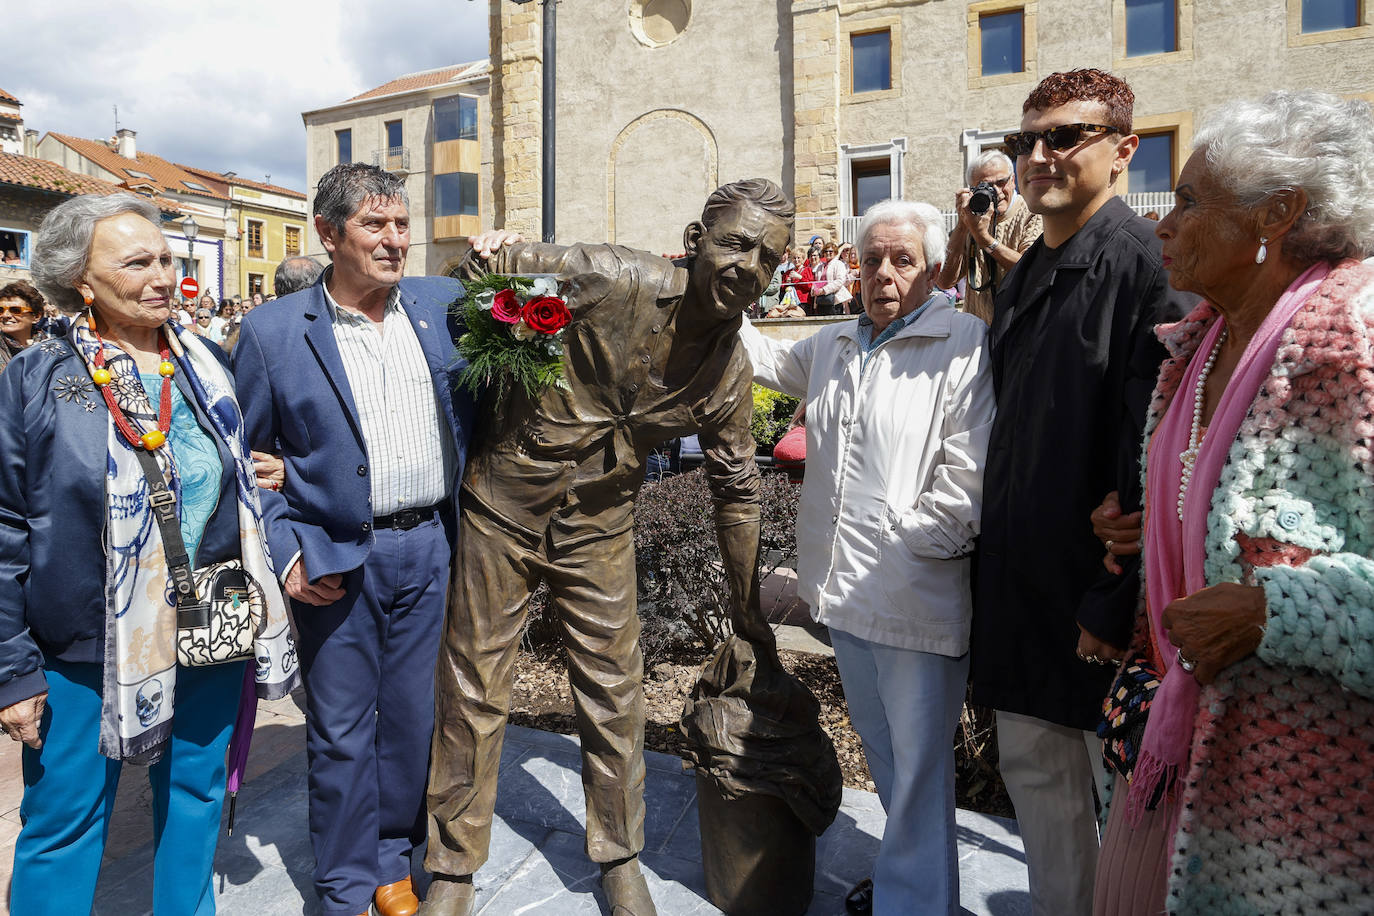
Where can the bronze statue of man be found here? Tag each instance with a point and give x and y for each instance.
(651, 353)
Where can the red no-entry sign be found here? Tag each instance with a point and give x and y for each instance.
(189, 287)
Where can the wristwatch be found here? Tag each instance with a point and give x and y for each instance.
(991, 248)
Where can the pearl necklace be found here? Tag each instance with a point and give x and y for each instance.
(1188, 457)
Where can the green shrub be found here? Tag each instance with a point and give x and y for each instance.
(772, 415)
(681, 579)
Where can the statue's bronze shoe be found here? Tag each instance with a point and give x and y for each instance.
(449, 897)
(627, 892)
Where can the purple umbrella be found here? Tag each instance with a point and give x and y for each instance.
(242, 739)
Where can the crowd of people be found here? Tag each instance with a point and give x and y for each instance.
(1122, 485)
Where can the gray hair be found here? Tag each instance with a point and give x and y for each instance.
(63, 245)
(345, 188)
(985, 159)
(295, 274)
(922, 217)
(1305, 140)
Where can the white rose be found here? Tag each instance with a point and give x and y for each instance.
(523, 331)
(544, 286)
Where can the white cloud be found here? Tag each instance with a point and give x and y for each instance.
(222, 86)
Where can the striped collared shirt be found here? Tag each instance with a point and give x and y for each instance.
(410, 454)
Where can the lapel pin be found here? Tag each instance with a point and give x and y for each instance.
(424, 324)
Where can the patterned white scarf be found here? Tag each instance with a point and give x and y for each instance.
(140, 619)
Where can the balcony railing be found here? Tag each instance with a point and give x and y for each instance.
(1161, 202)
(392, 158)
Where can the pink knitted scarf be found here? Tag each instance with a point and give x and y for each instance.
(1175, 552)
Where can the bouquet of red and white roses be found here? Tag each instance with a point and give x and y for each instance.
(514, 334)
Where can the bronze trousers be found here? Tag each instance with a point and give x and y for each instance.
(592, 578)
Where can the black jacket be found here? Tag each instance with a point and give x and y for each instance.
(1074, 360)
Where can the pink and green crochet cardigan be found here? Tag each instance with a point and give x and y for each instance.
(1278, 801)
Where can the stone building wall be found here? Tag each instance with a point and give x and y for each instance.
(516, 61)
(655, 94)
(659, 103)
(431, 252)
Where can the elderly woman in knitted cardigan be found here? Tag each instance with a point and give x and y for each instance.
(1252, 789)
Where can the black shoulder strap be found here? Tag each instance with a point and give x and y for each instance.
(164, 506)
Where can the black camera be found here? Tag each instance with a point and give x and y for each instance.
(984, 196)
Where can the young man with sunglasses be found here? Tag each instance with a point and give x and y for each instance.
(984, 246)
(1074, 359)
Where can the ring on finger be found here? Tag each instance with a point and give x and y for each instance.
(1109, 546)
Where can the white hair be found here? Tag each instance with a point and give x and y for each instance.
(922, 217)
(1305, 140)
(63, 245)
(985, 159)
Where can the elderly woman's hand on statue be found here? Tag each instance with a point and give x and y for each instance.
(1119, 531)
(1216, 626)
(491, 241)
(21, 720)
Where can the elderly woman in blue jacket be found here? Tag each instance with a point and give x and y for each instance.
(89, 676)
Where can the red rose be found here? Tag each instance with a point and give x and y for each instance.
(506, 307)
(546, 314)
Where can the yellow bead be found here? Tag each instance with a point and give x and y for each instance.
(153, 439)
(101, 376)
(166, 368)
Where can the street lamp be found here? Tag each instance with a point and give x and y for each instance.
(190, 229)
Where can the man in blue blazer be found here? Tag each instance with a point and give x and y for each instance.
(353, 381)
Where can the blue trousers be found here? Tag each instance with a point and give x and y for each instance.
(69, 794)
(905, 706)
(368, 664)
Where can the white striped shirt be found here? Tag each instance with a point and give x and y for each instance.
(410, 453)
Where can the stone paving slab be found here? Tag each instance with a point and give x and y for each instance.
(537, 864)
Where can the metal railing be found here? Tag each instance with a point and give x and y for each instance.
(392, 158)
(1142, 202)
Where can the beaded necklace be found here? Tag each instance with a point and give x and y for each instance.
(152, 439)
(1188, 456)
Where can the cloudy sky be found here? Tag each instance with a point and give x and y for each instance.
(221, 85)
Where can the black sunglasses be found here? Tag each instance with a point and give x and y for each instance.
(1066, 136)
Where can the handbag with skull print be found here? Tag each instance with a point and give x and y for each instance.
(221, 626)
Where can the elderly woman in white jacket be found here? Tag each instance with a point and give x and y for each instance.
(899, 403)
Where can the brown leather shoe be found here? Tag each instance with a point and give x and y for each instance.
(396, 899)
(450, 896)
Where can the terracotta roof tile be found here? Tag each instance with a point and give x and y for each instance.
(221, 178)
(163, 175)
(423, 80)
(5, 96)
(27, 172)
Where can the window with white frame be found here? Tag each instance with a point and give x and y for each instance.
(14, 247)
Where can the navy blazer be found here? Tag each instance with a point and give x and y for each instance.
(53, 432)
(296, 402)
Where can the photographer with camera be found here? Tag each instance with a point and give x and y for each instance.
(995, 226)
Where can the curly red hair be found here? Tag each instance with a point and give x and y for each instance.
(1086, 86)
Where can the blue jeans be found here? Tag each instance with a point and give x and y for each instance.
(69, 794)
(905, 706)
